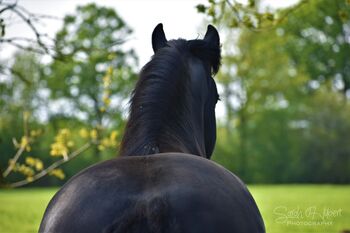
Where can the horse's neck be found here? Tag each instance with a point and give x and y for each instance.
(187, 138)
(164, 116)
(184, 135)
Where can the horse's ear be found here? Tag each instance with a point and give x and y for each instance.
(213, 40)
(212, 36)
(158, 38)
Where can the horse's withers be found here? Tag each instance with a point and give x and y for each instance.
(149, 188)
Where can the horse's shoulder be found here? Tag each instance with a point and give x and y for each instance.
(156, 166)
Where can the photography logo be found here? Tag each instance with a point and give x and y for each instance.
(309, 216)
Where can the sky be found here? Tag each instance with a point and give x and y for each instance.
(179, 17)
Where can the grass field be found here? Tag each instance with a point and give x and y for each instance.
(285, 208)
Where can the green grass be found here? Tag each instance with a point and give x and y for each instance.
(307, 205)
(22, 209)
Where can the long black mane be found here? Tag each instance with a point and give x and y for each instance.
(159, 107)
(172, 110)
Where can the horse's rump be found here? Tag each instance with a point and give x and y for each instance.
(170, 193)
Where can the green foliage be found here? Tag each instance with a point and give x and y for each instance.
(90, 41)
(243, 14)
(19, 92)
(91, 74)
(320, 43)
(201, 8)
(284, 85)
(326, 139)
(285, 95)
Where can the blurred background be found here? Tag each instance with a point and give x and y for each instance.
(67, 69)
(284, 114)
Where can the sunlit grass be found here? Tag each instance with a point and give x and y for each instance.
(21, 209)
(307, 205)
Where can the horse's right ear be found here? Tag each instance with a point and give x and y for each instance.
(158, 38)
(212, 36)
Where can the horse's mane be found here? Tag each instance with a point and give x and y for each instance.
(159, 107)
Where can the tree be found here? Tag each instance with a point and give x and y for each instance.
(326, 148)
(246, 14)
(89, 43)
(11, 11)
(67, 144)
(267, 96)
(320, 44)
(272, 83)
(88, 86)
(25, 82)
(18, 94)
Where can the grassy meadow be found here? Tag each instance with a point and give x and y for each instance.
(285, 208)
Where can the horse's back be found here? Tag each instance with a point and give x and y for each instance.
(155, 193)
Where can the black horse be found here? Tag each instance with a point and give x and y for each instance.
(163, 180)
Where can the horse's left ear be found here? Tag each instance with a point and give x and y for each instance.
(213, 40)
(158, 38)
(212, 36)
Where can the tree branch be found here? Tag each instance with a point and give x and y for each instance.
(30, 19)
(277, 21)
(8, 7)
(14, 72)
(31, 25)
(13, 161)
(51, 167)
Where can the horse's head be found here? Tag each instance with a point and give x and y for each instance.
(202, 58)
